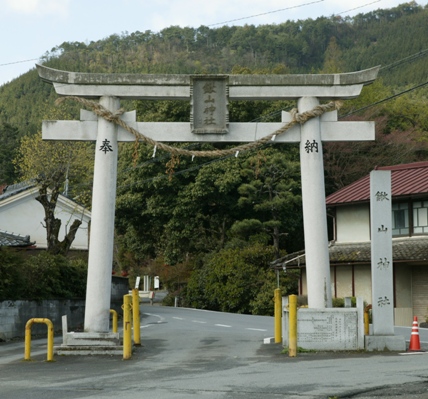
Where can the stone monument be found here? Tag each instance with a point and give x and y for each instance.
(381, 265)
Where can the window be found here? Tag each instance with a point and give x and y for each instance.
(409, 218)
(420, 217)
(400, 219)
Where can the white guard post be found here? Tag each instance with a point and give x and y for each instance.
(208, 123)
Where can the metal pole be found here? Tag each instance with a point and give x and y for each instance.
(114, 322)
(277, 318)
(136, 315)
(127, 335)
(292, 329)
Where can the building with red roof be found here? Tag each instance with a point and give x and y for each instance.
(350, 247)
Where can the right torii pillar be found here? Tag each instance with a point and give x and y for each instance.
(314, 209)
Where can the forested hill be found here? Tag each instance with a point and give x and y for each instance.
(220, 222)
(395, 38)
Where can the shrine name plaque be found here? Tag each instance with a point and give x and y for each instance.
(209, 104)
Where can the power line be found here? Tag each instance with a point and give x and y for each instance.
(385, 99)
(356, 8)
(20, 62)
(404, 60)
(266, 13)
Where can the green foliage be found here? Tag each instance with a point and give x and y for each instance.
(236, 280)
(263, 303)
(340, 302)
(40, 277)
(9, 145)
(11, 275)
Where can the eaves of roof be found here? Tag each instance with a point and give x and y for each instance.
(19, 191)
(413, 249)
(407, 180)
(14, 240)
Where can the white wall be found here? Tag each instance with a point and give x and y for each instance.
(353, 223)
(22, 214)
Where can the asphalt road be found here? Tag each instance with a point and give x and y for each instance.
(188, 353)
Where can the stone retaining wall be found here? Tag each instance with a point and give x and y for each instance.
(15, 314)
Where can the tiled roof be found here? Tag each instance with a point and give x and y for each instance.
(404, 250)
(406, 180)
(13, 189)
(14, 240)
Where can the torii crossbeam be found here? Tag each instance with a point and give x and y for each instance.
(209, 122)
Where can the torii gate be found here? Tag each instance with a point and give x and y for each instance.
(209, 96)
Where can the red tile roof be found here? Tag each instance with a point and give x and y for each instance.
(406, 179)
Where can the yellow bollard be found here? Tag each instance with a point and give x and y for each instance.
(114, 322)
(27, 350)
(292, 326)
(278, 316)
(127, 335)
(367, 320)
(136, 316)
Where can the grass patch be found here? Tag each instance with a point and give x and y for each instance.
(299, 350)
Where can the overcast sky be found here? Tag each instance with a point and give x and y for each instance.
(30, 28)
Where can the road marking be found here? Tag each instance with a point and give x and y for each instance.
(256, 329)
(198, 321)
(178, 318)
(161, 319)
(222, 325)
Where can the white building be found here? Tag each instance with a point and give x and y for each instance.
(21, 214)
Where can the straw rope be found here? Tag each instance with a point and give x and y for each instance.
(101, 111)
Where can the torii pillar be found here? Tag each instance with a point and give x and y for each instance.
(209, 96)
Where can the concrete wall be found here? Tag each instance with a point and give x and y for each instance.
(353, 223)
(15, 314)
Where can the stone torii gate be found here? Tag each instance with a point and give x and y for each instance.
(209, 122)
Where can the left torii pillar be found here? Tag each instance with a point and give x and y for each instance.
(98, 289)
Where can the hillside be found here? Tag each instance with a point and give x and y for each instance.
(381, 37)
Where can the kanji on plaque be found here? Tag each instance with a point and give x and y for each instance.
(209, 99)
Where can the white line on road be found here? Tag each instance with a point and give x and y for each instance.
(222, 325)
(256, 329)
(178, 318)
(199, 321)
(161, 319)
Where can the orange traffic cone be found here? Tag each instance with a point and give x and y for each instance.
(415, 344)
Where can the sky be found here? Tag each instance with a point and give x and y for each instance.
(31, 28)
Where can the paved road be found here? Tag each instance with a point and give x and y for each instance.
(197, 354)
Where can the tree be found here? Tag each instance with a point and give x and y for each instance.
(333, 62)
(55, 166)
(8, 139)
(237, 280)
(271, 195)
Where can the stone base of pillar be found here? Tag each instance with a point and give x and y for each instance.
(384, 343)
(90, 344)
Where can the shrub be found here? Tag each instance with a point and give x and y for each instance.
(11, 274)
(40, 277)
